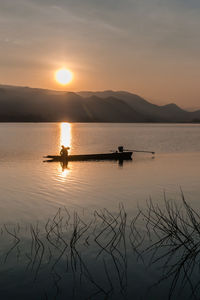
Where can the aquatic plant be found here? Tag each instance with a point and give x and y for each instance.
(174, 238)
(164, 236)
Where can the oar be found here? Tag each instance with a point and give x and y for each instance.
(152, 152)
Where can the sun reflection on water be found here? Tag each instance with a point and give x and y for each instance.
(63, 172)
(65, 134)
(65, 140)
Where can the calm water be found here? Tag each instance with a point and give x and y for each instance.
(32, 191)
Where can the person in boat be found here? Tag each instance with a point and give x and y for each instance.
(64, 151)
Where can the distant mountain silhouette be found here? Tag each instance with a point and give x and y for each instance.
(150, 112)
(24, 104)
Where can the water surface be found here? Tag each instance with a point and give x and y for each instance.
(32, 191)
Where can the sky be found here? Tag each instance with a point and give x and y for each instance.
(148, 47)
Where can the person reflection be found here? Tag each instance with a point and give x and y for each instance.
(121, 163)
(64, 165)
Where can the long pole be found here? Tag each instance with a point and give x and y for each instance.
(152, 152)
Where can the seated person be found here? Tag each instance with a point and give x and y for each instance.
(64, 151)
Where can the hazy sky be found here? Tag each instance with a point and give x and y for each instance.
(149, 47)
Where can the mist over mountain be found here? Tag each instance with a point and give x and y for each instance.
(24, 104)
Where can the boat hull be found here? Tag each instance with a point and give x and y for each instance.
(86, 157)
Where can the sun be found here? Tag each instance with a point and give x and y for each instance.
(63, 76)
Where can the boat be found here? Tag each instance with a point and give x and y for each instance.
(124, 155)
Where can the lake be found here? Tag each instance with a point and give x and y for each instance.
(33, 191)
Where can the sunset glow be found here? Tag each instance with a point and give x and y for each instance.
(65, 134)
(100, 149)
(65, 140)
(63, 76)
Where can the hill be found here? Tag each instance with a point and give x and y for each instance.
(24, 104)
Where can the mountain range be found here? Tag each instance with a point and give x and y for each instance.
(24, 104)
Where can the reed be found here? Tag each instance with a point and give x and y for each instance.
(174, 235)
(169, 239)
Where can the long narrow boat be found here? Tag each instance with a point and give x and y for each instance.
(84, 157)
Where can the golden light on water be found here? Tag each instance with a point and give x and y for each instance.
(63, 76)
(64, 172)
(65, 140)
(65, 134)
